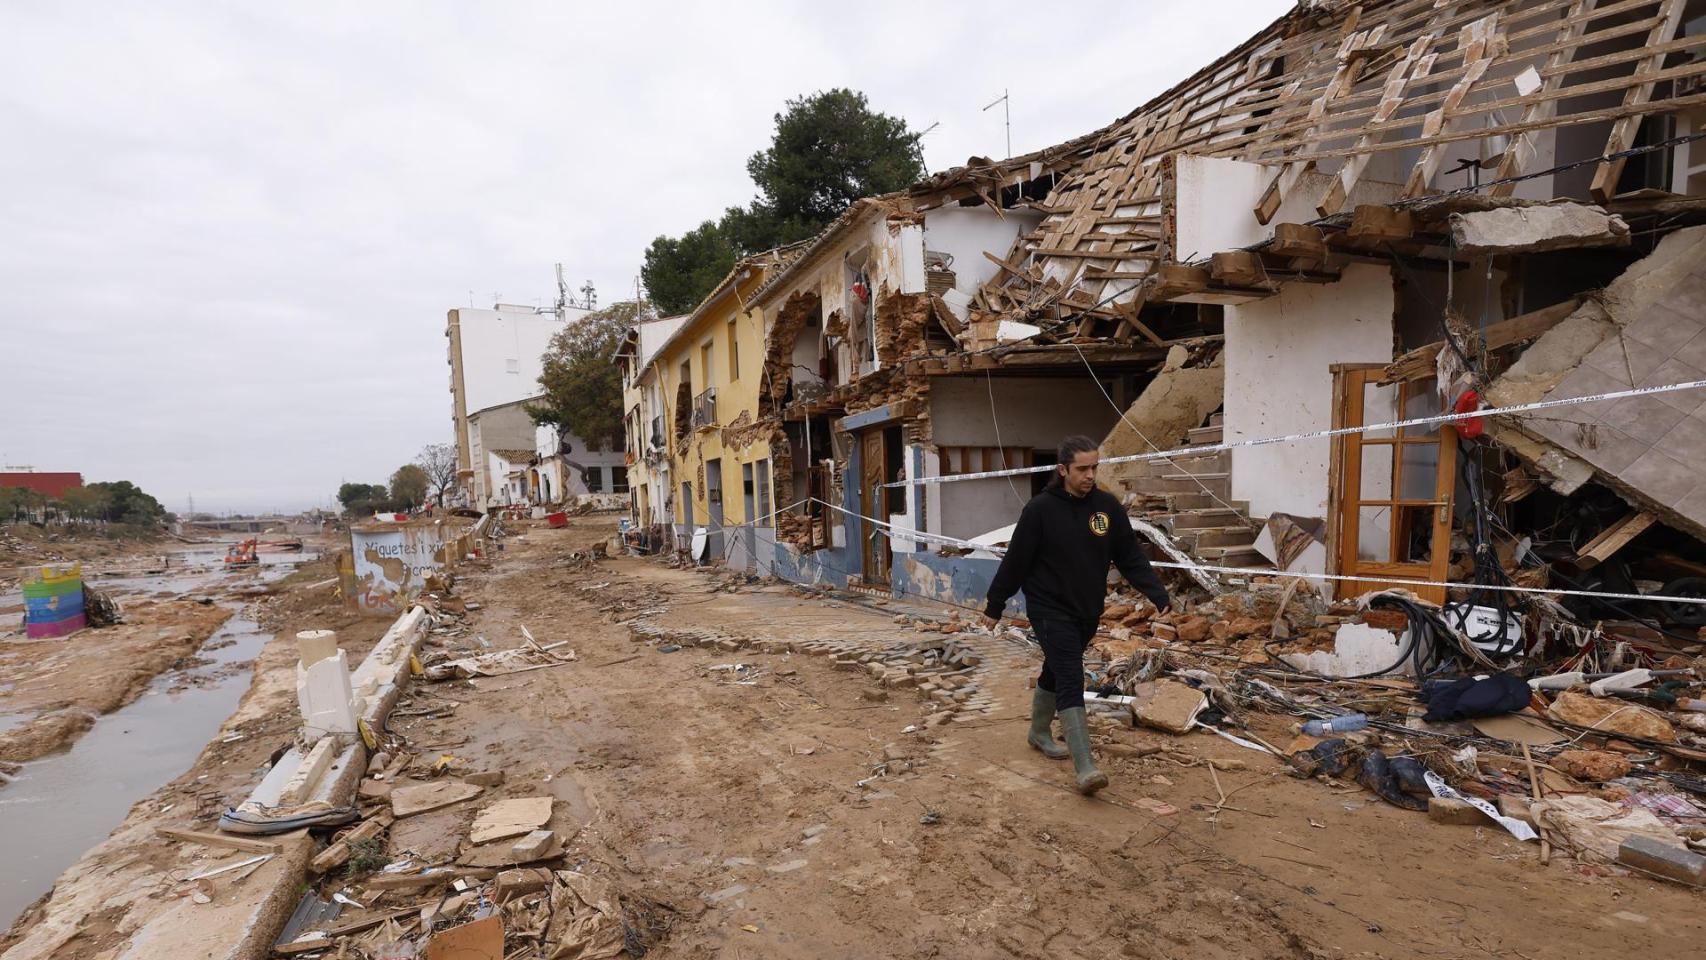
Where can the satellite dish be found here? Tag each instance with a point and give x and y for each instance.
(701, 543)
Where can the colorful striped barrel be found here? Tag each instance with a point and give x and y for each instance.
(53, 601)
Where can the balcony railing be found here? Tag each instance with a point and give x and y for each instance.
(705, 409)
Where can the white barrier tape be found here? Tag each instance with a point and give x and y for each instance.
(1401, 582)
(1323, 434)
(1246, 572)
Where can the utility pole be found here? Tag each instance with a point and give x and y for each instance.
(1007, 117)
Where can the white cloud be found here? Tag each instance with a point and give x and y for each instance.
(232, 233)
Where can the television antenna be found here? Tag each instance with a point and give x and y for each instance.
(1007, 117)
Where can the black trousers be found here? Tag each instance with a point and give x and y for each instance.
(1063, 641)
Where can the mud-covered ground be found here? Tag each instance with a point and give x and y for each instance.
(795, 816)
(787, 810)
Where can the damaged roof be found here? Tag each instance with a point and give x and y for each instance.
(1332, 86)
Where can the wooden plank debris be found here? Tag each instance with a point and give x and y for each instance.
(510, 818)
(1420, 363)
(1614, 538)
(339, 851)
(211, 839)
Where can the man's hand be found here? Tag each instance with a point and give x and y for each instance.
(990, 623)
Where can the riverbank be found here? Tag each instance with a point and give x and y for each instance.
(130, 878)
(175, 596)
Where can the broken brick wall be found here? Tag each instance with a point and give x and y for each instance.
(901, 318)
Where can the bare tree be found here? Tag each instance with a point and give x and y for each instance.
(439, 462)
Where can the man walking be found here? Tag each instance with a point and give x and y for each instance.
(1059, 556)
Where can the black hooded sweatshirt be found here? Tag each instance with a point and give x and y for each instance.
(1059, 555)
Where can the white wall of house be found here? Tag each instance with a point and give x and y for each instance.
(580, 470)
(1034, 412)
(1216, 201)
(502, 353)
(969, 232)
(1279, 353)
(504, 488)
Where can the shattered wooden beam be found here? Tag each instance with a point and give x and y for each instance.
(1372, 223)
(1298, 241)
(1420, 363)
(1238, 268)
(1172, 279)
(1614, 538)
(1623, 130)
(1481, 43)
(1521, 149)
(1416, 63)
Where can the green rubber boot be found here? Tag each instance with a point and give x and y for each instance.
(1078, 741)
(1042, 716)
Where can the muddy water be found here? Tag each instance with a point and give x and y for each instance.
(58, 807)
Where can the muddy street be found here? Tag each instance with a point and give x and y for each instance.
(723, 757)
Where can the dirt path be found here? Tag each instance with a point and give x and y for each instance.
(793, 816)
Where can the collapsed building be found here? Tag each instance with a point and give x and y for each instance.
(1364, 213)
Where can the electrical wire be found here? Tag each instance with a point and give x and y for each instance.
(1150, 443)
(995, 420)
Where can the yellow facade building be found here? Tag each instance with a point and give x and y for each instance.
(709, 375)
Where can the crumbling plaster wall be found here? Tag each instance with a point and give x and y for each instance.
(1279, 355)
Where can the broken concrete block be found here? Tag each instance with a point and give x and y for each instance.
(1452, 810)
(727, 893)
(534, 846)
(1551, 226)
(485, 778)
(1357, 649)
(1168, 705)
(1192, 629)
(1595, 766)
(323, 691)
(1672, 863)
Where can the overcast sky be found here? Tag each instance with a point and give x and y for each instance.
(229, 233)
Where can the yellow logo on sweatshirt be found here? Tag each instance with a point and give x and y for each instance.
(1099, 524)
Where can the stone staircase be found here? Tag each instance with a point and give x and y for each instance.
(1191, 497)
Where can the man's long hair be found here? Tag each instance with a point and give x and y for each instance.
(1068, 451)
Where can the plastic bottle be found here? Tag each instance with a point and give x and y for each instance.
(1344, 724)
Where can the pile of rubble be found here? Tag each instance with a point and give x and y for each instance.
(426, 887)
(1597, 750)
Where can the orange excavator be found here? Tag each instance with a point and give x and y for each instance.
(242, 554)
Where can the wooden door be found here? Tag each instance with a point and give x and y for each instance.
(873, 539)
(1394, 487)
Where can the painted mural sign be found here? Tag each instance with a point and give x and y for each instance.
(388, 563)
